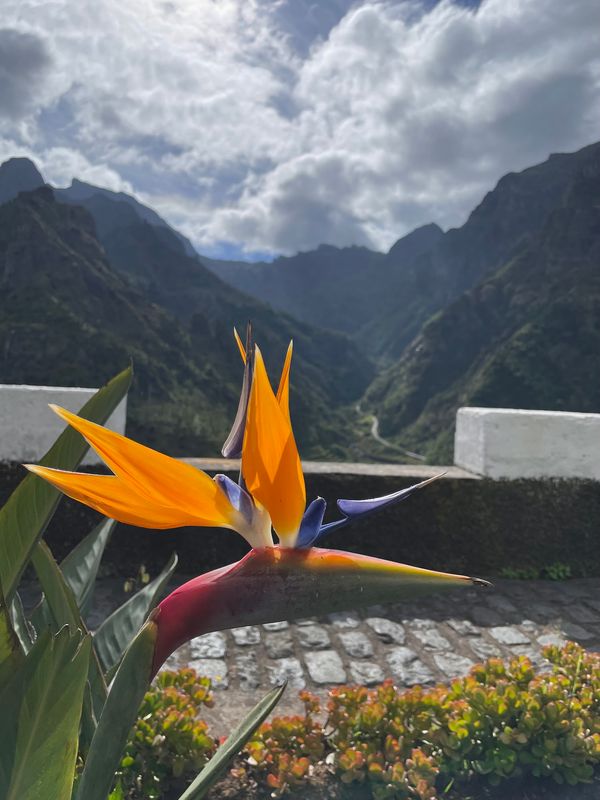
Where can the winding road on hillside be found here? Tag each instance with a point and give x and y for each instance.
(384, 442)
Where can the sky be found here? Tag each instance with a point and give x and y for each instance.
(259, 127)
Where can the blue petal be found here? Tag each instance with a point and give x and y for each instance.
(310, 526)
(238, 498)
(359, 508)
(233, 444)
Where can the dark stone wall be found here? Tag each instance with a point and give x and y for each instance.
(470, 526)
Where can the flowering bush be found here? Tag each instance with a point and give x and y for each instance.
(169, 742)
(501, 721)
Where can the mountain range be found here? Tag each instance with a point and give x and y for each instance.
(503, 311)
(87, 285)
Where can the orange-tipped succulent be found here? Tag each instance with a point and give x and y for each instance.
(272, 582)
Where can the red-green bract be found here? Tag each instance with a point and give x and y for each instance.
(276, 583)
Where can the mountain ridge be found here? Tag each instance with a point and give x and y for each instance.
(527, 336)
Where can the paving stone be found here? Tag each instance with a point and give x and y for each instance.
(366, 673)
(213, 668)
(432, 639)
(417, 672)
(485, 616)
(408, 668)
(314, 637)
(356, 644)
(344, 619)
(453, 665)
(529, 625)
(400, 655)
(573, 631)
(279, 644)
(325, 666)
(420, 624)
(508, 634)
(388, 631)
(247, 670)
(244, 637)
(276, 626)
(463, 627)
(210, 645)
(552, 639)
(286, 669)
(595, 604)
(484, 650)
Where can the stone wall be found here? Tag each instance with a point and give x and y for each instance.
(518, 443)
(28, 428)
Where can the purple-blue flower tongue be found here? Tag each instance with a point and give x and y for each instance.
(311, 523)
(353, 509)
(358, 508)
(237, 496)
(233, 444)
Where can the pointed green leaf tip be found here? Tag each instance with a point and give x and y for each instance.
(230, 748)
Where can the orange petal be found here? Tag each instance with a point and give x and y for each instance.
(109, 495)
(164, 481)
(240, 345)
(270, 462)
(283, 392)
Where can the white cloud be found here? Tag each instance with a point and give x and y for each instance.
(280, 124)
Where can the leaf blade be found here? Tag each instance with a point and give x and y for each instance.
(39, 734)
(231, 747)
(118, 716)
(24, 517)
(80, 566)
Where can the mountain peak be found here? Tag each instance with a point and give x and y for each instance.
(416, 241)
(18, 175)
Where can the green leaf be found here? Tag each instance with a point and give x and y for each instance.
(21, 625)
(115, 633)
(60, 609)
(28, 510)
(10, 647)
(39, 725)
(80, 567)
(61, 606)
(120, 712)
(232, 746)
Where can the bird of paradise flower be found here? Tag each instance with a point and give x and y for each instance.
(273, 582)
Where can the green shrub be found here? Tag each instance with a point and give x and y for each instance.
(169, 742)
(501, 721)
(285, 749)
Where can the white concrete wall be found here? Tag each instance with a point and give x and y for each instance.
(28, 428)
(515, 443)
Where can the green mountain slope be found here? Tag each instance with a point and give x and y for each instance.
(527, 337)
(329, 369)
(68, 317)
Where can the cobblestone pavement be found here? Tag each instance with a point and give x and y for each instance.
(433, 640)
